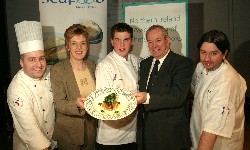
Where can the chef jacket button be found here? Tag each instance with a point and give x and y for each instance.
(41, 97)
(45, 121)
(43, 109)
(47, 132)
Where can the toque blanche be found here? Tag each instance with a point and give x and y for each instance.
(29, 36)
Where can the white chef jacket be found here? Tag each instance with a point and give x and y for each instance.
(218, 106)
(32, 107)
(115, 71)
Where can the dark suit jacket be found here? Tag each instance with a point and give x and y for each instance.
(165, 117)
(70, 125)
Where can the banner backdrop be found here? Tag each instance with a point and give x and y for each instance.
(57, 15)
(172, 15)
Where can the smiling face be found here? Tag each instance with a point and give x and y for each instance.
(122, 43)
(78, 47)
(34, 64)
(158, 44)
(210, 56)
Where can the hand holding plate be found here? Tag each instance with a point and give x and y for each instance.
(80, 102)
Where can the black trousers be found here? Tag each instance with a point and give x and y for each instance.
(129, 146)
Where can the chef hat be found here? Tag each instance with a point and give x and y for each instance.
(29, 36)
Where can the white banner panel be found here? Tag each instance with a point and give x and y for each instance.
(171, 15)
(57, 15)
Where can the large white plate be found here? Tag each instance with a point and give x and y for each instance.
(126, 107)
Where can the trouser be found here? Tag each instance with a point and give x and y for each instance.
(129, 146)
(62, 145)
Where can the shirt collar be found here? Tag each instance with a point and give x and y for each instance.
(223, 65)
(162, 59)
(119, 57)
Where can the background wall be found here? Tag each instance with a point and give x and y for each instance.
(230, 16)
(4, 76)
(17, 11)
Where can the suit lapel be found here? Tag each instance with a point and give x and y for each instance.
(144, 73)
(165, 70)
(70, 76)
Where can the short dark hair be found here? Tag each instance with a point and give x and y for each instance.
(121, 27)
(218, 38)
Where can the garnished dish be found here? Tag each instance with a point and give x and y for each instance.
(110, 103)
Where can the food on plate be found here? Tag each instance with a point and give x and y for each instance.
(110, 102)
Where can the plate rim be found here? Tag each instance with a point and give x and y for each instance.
(130, 108)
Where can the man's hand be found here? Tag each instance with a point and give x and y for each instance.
(141, 97)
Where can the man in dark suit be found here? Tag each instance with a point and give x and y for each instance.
(162, 116)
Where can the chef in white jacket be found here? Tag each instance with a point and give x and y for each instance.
(29, 94)
(217, 120)
(119, 69)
